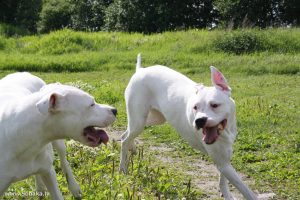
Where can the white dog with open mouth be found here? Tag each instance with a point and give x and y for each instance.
(30, 120)
(203, 116)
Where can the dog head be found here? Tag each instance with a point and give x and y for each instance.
(211, 109)
(72, 113)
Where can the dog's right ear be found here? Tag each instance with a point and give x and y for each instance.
(218, 80)
(49, 104)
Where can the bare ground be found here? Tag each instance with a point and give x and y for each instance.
(204, 174)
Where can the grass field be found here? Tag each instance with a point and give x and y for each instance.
(263, 73)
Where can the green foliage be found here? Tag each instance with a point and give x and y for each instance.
(269, 51)
(55, 14)
(240, 42)
(10, 30)
(289, 12)
(158, 16)
(88, 15)
(248, 14)
(250, 41)
(147, 16)
(21, 13)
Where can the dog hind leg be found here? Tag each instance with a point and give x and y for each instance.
(4, 184)
(39, 184)
(73, 186)
(136, 124)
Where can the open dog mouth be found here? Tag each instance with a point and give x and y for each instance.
(95, 136)
(211, 134)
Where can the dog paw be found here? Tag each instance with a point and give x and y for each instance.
(228, 197)
(75, 190)
(123, 169)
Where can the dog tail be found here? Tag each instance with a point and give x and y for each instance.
(139, 62)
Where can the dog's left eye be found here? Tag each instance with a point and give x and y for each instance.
(214, 105)
(93, 104)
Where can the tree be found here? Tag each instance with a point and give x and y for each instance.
(289, 12)
(55, 14)
(88, 14)
(260, 13)
(150, 16)
(23, 13)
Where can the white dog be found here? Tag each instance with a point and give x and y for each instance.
(204, 116)
(21, 84)
(31, 119)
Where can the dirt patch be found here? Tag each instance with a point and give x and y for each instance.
(204, 174)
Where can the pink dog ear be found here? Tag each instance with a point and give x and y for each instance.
(48, 104)
(52, 102)
(219, 80)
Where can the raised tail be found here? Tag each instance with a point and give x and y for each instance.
(139, 62)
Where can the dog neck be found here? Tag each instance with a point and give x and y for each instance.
(28, 137)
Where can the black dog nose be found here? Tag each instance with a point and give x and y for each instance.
(200, 122)
(114, 111)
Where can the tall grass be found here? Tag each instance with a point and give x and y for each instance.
(248, 51)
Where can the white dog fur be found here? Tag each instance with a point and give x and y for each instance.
(203, 116)
(31, 119)
(19, 85)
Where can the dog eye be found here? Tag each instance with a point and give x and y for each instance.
(93, 104)
(214, 105)
(195, 108)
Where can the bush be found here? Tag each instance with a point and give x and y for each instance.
(9, 30)
(88, 15)
(55, 15)
(21, 13)
(240, 42)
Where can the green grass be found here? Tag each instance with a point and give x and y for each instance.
(274, 51)
(265, 87)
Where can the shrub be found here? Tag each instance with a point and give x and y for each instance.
(21, 13)
(55, 15)
(10, 30)
(88, 15)
(240, 42)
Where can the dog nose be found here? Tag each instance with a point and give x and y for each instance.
(200, 122)
(114, 111)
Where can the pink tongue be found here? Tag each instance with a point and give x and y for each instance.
(98, 136)
(210, 134)
(103, 136)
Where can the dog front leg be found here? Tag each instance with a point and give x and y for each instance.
(73, 186)
(49, 179)
(224, 187)
(39, 184)
(229, 172)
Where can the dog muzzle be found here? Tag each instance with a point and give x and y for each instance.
(211, 134)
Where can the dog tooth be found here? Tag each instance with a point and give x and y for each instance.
(220, 127)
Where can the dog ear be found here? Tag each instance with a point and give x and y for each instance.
(199, 87)
(49, 104)
(219, 80)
